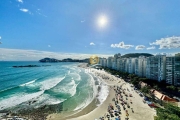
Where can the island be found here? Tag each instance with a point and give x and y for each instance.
(44, 60)
(30, 66)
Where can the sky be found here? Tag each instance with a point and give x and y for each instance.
(32, 29)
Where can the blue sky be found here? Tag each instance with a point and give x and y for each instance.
(70, 26)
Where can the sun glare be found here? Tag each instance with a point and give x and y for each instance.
(102, 21)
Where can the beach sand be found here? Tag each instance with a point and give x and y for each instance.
(141, 110)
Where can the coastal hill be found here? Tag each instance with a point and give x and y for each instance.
(49, 60)
(64, 60)
(136, 55)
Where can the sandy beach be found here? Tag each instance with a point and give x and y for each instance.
(137, 110)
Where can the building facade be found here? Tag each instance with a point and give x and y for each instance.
(140, 66)
(156, 67)
(110, 62)
(170, 69)
(177, 69)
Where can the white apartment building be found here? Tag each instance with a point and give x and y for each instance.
(121, 63)
(130, 65)
(140, 66)
(110, 62)
(104, 62)
(156, 67)
(118, 64)
(170, 69)
(173, 69)
(100, 61)
(159, 67)
(114, 63)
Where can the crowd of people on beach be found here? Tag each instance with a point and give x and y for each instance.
(121, 101)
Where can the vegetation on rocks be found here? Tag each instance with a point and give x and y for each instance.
(169, 112)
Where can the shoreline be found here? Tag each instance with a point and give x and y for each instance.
(137, 110)
(101, 110)
(89, 108)
(100, 107)
(93, 106)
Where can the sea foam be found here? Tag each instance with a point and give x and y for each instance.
(28, 83)
(91, 96)
(18, 99)
(75, 76)
(47, 99)
(50, 83)
(69, 88)
(103, 93)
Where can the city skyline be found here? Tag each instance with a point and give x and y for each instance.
(158, 67)
(31, 30)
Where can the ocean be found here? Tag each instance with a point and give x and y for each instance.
(47, 85)
(34, 87)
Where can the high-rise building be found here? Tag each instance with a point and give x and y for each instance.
(118, 64)
(121, 62)
(140, 66)
(170, 69)
(109, 62)
(104, 62)
(126, 64)
(159, 67)
(177, 69)
(136, 67)
(130, 65)
(114, 63)
(115, 60)
(117, 56)
(156, 67)
(100, 61)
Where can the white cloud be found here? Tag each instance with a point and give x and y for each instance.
(167, 43)
(82, 21)
(49, 45)
(24, 10)
(151, 48)
(35, 55)
(92, 43)
(21, 1)
(140, 47)
(121, 45)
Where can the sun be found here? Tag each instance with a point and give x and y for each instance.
(102, 21)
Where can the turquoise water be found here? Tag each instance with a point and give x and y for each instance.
(48, 85)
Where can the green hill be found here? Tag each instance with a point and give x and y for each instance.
(136, 55)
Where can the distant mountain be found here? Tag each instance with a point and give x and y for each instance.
(136, 55)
